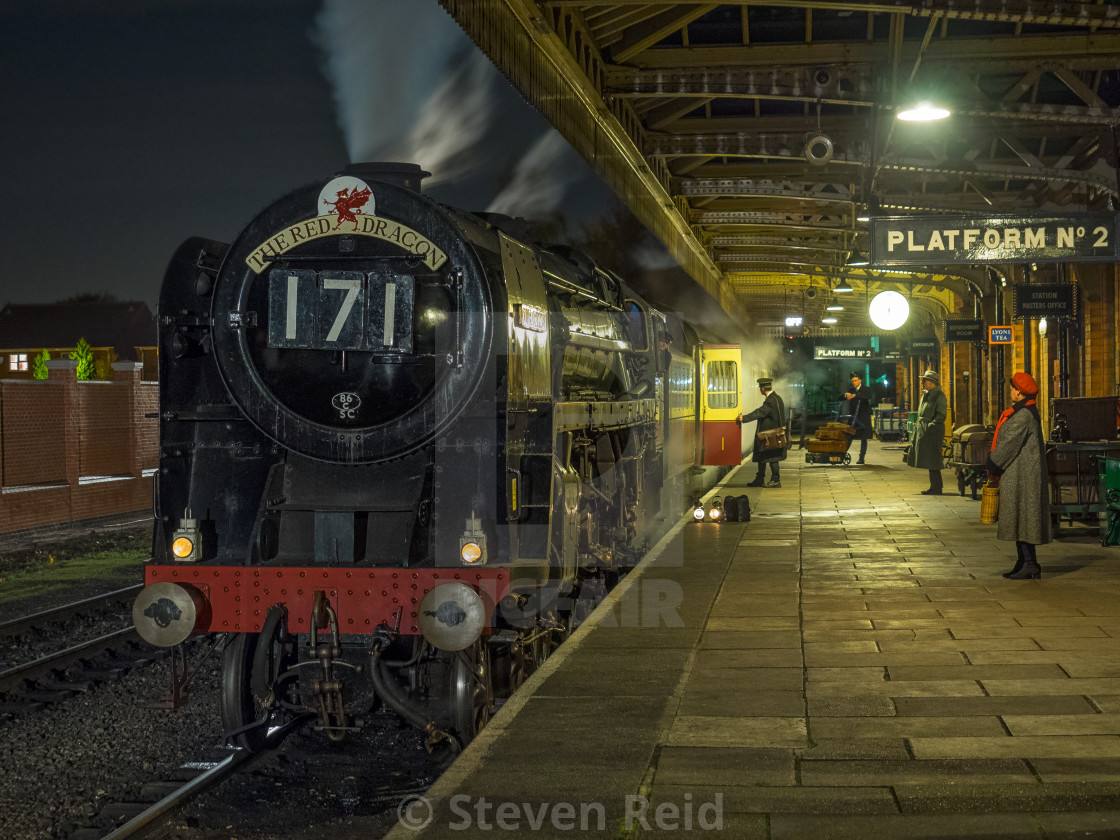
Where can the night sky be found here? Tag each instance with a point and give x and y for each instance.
(129, 126)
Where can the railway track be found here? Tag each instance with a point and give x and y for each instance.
(61, 660)
(87, 605)
(71, 667)
(145, 815)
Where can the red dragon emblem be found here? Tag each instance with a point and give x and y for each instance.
(348, 205)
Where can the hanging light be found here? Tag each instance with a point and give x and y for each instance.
(828, 320)
(923, 112)
(889, 310)
(857, 258)
(834, 307)
(869, 211)
(843, 286)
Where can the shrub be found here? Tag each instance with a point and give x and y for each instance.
(83, 355)
(39, 371)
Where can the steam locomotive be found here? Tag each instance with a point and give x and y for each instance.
(403, 451)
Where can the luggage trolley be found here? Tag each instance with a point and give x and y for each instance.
(829, 445)
(968, 454)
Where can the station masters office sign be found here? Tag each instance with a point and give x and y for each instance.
(960, 240)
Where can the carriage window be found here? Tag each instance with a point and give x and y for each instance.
(723, 384)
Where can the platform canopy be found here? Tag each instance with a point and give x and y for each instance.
(755, 139)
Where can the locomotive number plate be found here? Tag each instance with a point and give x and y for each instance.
(340, 310)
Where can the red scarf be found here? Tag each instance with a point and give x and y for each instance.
(1007, 413)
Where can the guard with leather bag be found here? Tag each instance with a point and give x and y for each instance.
(771, 439)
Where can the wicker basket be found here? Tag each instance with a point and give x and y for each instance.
(989, 504)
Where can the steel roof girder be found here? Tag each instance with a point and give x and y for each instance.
(975, 54)
(750, 187)
(1051, 12)
(498, 27)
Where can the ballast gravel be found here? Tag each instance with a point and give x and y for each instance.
(64, 762)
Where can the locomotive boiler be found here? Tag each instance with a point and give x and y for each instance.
(403, 451)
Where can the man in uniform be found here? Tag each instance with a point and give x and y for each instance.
(859, 404)
(770, 415)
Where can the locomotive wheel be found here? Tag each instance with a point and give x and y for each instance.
(528, 658)
(239, 708)
(472, 691)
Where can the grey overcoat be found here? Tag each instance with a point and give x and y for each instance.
(1024, 486)
(929, 431)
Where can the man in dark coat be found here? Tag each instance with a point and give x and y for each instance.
(929, 432)
(770, 415)
(859, 405)
(1018, 460)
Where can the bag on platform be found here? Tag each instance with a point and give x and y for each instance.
(771, 439)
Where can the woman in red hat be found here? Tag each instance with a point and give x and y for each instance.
(1018, 460)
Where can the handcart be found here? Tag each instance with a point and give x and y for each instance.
(890, 424)
(968, 453)
(829, 445)
(1075, 480)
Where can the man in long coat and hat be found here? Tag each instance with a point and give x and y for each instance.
(929, 432)
(770, 415)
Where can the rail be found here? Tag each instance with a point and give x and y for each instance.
(38, 667)
(18, 625)
(136, 826)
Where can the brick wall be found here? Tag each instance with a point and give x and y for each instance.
(1098, 317)
(74, 450)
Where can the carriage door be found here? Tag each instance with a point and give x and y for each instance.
(721, 439)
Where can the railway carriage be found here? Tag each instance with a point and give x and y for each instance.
(403, 451)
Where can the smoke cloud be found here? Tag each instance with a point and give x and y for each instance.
(454, 120)
(539, 180)
(395, 100)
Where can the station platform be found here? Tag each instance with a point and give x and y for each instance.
(850, 664)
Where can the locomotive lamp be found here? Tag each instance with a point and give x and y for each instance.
(186, 541)
(698, 513)
(715, 512)
(472, 545)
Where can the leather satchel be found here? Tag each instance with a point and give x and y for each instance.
(771, 439)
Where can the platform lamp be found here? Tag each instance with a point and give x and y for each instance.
(922, 111)
(870, 211)
(857, 259)
(888, 310)
(925, 102)
(843, 286)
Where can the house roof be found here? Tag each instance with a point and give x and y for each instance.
(122, 326)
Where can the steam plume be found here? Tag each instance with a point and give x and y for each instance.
(453, 120)
(539, 180)
(383, 84)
